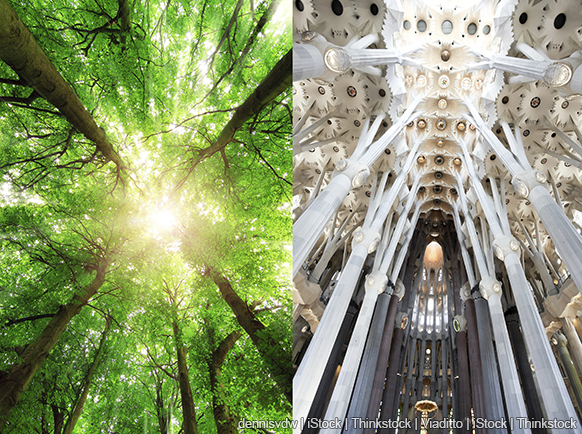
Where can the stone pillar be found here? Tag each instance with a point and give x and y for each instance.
(307, 62)
(368, 367)
(477, 392)
(575, 344)
(409, 379)
(382, 362)
(578, 326)
(420, 373)
(388, 398)
(491, 291)
(464, 387)
(310, 225)
(532, 400)
(316, 410)
(553, 390)
(308, 376)
(565, 237)
(338, 405)
(492, 386)
(561, 343)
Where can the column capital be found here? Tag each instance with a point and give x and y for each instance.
(505, 245)
(524, 182)
(378, 281)
(460, 323)
(559, 339)
(366, 237)
(466, 292)
(357, 172)
(490, 286)
(401, 320)
(400, 289)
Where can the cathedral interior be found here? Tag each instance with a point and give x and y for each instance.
(437, 215)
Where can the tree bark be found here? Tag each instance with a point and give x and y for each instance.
(189, 411)
(276, 82)
(124, 19)
(226, 422)
(13, 384)
(59, 419)
(274, 356)
(161, 409)
(21, 52)
(76, 414)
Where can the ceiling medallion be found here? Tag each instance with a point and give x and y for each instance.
(461, 126)
(352, 91)
(421, 80)
(421, 123)
(440, 143)
(437, 189)
(442, 104)
(444, 81)
(445, 55)
(478, 83)
(441, 124)
(457, 161)
(421, 159)
(466, 83)
(439, 160)
(535, 102)
(438, 175)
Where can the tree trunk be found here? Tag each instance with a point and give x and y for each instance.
(274, 356)
(124, 19)
(72, 421)
(161, 409)
(58, 418)
(21, 52)
(14, 383)
(226, 422)
(188, 409)
(276, 82)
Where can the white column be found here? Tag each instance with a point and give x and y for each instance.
(307, 62)
(342, 392)
(574, 341)
(310, 225)
(308, 376)
(561, 230)
(491, 291)
(552, 388)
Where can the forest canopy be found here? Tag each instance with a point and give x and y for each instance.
(145, 215)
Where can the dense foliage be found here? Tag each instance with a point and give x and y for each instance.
(182, 245)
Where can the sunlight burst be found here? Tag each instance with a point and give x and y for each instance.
(163, 219)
